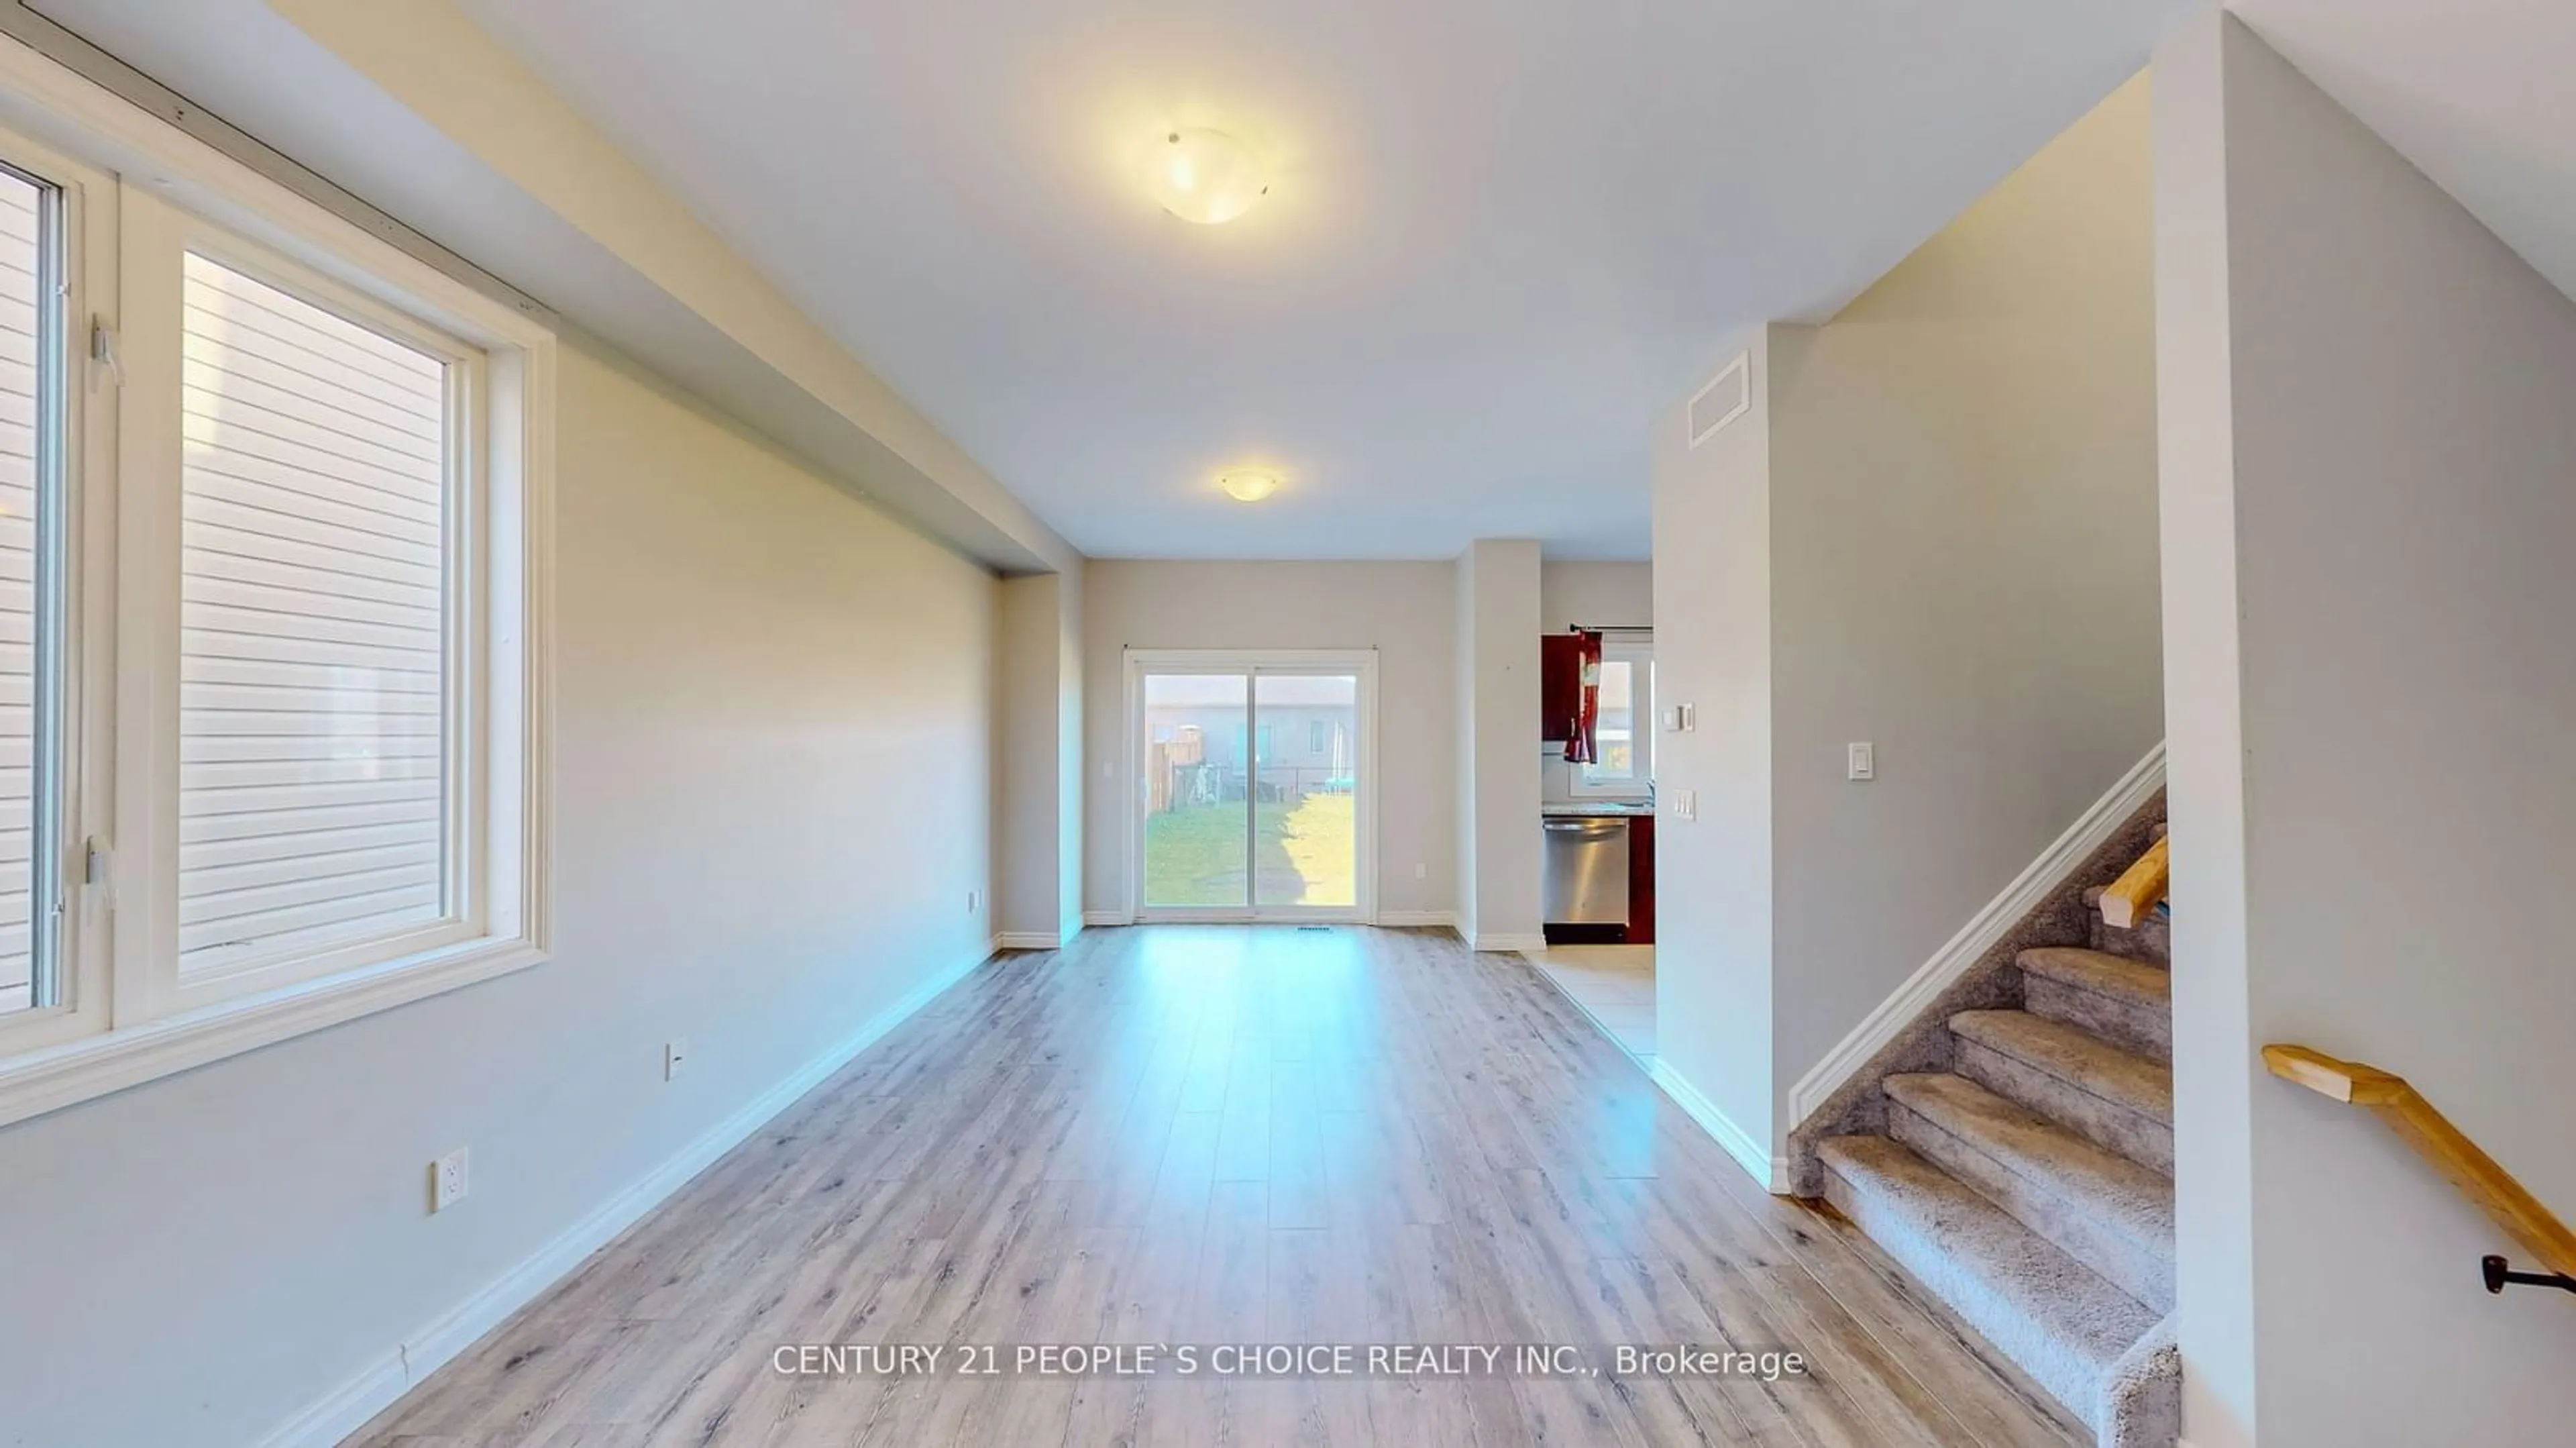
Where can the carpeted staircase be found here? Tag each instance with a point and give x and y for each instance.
(2030, 1184)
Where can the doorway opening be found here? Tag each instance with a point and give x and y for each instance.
(1254, 784)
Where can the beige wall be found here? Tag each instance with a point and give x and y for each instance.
(2367, 522)
(1941, 541)
(1965, 575)
(1713, 988)
(1498, 596)
(1403, 610)
(1070, 776)
(1595, 594)
(772, 760)
(1462, 819)
(1037, 798)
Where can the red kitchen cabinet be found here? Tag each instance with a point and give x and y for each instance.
(1641, 880)
(1560, 685)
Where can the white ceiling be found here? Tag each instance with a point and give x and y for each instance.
(1506, 232)
(1503, 235)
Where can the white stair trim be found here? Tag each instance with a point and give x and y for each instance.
(1881, 1027)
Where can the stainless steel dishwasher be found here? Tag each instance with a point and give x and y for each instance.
(1585, 877)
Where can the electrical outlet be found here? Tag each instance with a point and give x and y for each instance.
(1862, 762)
(1421, 871)
(675, 1058)
(447, 1180)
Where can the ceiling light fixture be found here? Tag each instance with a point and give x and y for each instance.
(1205, 176)
(1249, 486)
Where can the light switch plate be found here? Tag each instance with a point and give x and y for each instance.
(1863, 761)
(1685, 804)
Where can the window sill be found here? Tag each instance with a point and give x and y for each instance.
(100, 1065)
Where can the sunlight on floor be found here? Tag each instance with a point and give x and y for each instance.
(1615, 985)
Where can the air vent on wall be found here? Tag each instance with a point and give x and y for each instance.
(1728, 396)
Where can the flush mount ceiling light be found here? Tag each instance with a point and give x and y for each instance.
(1248, 485)
(1205, 176)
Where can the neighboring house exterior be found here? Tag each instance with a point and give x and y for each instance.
(1304, 738)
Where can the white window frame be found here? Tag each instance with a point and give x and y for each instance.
(158, 239)
(139, 194)
(1637, 651)
(89, 263)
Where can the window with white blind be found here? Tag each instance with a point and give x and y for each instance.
(312, 616)
(272, 694)
(28, 370)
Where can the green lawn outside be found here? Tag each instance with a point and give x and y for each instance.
(1306, 854)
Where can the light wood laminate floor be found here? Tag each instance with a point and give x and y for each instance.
(1225, 1135)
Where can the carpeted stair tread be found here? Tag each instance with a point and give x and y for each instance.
(2106, 1211)
(2079, 1058)
(2064, 1325)
(2103, 973)
(2111, 1186)
(2125, 1001)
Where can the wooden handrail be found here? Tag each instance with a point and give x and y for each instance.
(2139, 890)
(2476, 1174)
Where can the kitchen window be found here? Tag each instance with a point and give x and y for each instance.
(272, 498)
(1623, 736)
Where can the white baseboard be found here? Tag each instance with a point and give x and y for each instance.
(1951, 961)
(1769, 1172)
(1431, 919)
(347, 1407)
(1509, 941)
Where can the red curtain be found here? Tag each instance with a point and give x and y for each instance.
(1579, 746)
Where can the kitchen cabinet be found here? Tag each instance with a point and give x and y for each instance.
(1641, 880)
(1560, 685)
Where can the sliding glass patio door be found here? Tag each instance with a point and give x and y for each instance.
(1252, 784)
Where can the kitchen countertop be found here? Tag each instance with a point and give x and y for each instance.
(1596, 808)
